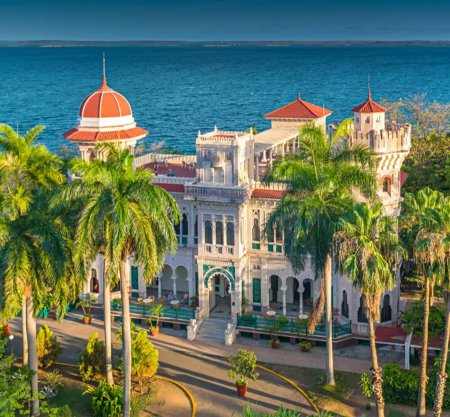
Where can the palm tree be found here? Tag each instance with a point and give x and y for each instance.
(32, 259)
(321, 180)
(24, 168)
(367, 250)
(132, 216)
(418, 232)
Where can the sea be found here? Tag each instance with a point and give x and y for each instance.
(175, 91)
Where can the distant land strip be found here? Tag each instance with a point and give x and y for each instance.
(65, 43)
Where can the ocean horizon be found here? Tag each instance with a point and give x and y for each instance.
(175, 92)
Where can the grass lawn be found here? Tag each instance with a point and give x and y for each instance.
(345, 399)
(72, 395)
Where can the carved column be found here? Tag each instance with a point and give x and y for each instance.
(283, 290)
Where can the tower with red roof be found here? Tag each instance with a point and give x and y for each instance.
(104, 116)
(389, 141)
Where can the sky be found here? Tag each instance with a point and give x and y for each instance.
(215, 20)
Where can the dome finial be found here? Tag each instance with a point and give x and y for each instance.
(369, 94)
(298, 96)
(104, 71)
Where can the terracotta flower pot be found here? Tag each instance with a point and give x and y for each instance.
(154, 331)
(241, 390)
(87, 319)
(6, 332)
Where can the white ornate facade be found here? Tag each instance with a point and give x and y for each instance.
(224, 254)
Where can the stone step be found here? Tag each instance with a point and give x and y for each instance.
(213, 329)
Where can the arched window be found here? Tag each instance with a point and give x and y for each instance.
(256, 232)
(362, 317)
(219, 233)
(208, 231)
(386, 310)
(344, 305)
(230, 234)
(270, 235)
(196, 229)
(95, 286)
(387, 185)
(368, 119)
(279, 234)
(184, 225)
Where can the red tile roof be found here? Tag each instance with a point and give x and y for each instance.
(91, 136)
(403, 177)
(369, 106)
(177, 170)
(171, 188)
(269, 194)
(298, 109)
(105, 102)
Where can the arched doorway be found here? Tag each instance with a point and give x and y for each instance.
(95, 285)
(307, 294)
(217, 295)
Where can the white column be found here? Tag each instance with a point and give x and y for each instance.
(190, 286)
(301, 289)
(174, 279)
(283, 290)
(160, 286)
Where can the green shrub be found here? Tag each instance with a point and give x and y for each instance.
(48, 347)
(144, 358)
(92, 360)
(243, 366)
(106, 400)
(365, 383)
(64, 411)
(400, 386)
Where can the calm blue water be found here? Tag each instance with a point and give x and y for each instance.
(175, 91)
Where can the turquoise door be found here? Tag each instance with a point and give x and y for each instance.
(134, 281)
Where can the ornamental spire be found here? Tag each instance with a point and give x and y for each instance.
(104, 71)
(369, 94)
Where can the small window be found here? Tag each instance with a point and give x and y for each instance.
(344, 305)
(256, 232)
(386, 310)
(368, 119)
(219, 233)
(387, 185)
(184, 225)
(230, 234)
(208, 232)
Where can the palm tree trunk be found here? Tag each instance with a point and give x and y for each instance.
(126, 338)
(31, 333)
(442, 375)
(329, 319)
(421, 401)
(377, 380)
(24, 332)
(107, 325)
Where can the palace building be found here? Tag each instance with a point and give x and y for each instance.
(225, 259)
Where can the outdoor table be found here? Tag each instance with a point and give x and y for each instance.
(303, 316)
(271, 313)
(174, 303)
(147, 301)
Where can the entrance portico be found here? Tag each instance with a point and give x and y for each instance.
(218, 282)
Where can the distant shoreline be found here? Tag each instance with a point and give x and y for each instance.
(62, 43)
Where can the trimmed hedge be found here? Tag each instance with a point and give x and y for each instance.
(400, 386)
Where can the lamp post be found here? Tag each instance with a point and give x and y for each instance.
(11, 338)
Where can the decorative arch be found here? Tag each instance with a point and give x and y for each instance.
(213, 271)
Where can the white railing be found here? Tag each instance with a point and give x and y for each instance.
(215, 191)
(161, 157)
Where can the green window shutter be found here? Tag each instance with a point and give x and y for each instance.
(256, 290)
(134, 281)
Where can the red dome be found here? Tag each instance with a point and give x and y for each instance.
(105, 102)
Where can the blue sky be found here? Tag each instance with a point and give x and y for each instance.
(225, 19)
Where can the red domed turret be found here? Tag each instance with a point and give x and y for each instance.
(105, 102)
(105, 116)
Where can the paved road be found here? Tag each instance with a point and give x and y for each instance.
(203, 374)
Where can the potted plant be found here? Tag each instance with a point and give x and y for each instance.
(274, 328)
(86, 304)
(246, 305)
(305, 345)
(243, 367)
(155, 314)
(4, 326)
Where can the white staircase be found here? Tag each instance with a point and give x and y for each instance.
(213, 329)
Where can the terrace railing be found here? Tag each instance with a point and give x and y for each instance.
(176, 313)
(291, 326)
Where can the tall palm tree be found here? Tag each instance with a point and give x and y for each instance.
(131, 216)
(439, 218)
(419, 235)
(32, 259)
(367, 250)
(25, 167)
(321, 180)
